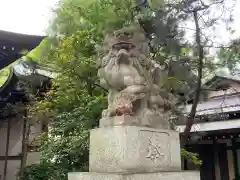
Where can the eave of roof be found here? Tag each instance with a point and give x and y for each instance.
(13, 44)
(20, 38)
(212, 126)
(235, 78)
(223, 104)
(209, 82)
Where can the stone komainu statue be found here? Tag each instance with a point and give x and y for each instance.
(132, 79)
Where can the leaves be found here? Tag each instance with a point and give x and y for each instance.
(97, 15)
(75, 102)
(191, 156)
(229, 57)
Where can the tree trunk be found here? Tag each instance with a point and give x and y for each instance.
(192, 114)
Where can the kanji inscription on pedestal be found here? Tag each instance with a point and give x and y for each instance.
(154, 150)
(156, 147)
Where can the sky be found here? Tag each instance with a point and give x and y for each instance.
(26, 16)
(33, 16)
(220, 35)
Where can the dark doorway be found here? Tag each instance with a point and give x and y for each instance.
(223, 161)
(207, 169)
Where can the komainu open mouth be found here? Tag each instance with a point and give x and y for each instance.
(123, 45)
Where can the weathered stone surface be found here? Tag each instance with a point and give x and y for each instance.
(124, 120)
(183, 175)
(132, 79)
(131, 149)
(93, 176)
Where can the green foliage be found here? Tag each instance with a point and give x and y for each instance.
(4, 73)
(230, 56)
(75, 103)
(191, 156)
(38, 54)
(74, 106)
(95, 15)
(43, 171)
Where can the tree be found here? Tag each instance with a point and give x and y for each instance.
(76, 105)
(76, 100)
(229, 56)
(200, 62)
(196, 9)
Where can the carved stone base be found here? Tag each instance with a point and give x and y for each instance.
(130, 149)
(124, 120)
(127, 120)
(183, 175)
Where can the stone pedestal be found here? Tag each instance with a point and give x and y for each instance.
(130, 149)
(134, 153)
(124, 120)
(189, 175)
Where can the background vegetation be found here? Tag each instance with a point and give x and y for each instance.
(74, 104)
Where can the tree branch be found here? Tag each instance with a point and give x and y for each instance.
(203, 6)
